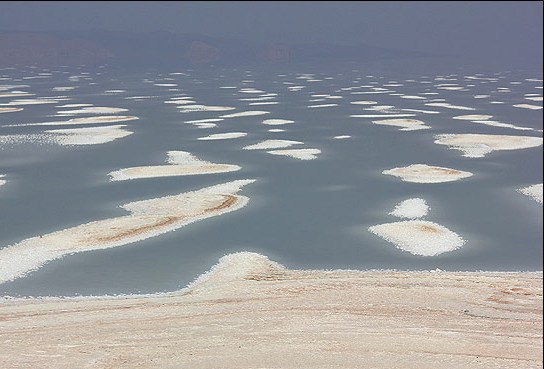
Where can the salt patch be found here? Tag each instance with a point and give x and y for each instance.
(245, 114)
(382, 115)
(10, 110)
(423, 173)
(534, 192)
(181, 163)
(264, 103)
(322, 106)
(419, 237)
(88, 136)
(30, 102)
(341, 137)
(473, 117)
(2, 181)
(210, 120)
(478, 145)
(411, 209)
(86, 120)
(277, 122)
(494, 123)
(92, 110)
(147, 218)
(302, 154)
(223, 136)
(406, 124)
(272, 144)
(364, 102)
(528, 106)
(197, 107)
(449, 106)
(275, 130)
(534, 98)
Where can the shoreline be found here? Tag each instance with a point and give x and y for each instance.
(250, 312)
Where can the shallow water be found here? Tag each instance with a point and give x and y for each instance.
(303, 214)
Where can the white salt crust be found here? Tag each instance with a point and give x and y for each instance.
(223, 136)
(182, 163)
(382, 115)
(449, 106)
(245, 114)
(528, 106)
(473, 117)
(92, 110)
(412, 209)
(10, 110)
(147, 218)
(197, 108)
(534, 192)
(272, 144)
(302, 154)
(423, 173)
(478, 145)
(88, 136)
(419, 237)
(405, 124)
(76, 121)
(277, 122)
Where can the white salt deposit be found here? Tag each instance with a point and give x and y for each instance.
(419, 237)
(10, 110)
(411, 209)
(341, 137)
(223, 136)
(73, 105)
(147, 218)
(405, 124)
(449, 106)
(275, 130)
(181, 163)
(478, 145)
(272, 144)
(534, 192)
(30, 102)
(364, 102)
(195, 108)
(322, 105)
(2, 181)
(302, 154)
(264, 103)
(86, 120)
(92, 110)
(245, 114)
(413, 97)
(88, 136)
(382, 115)
(534, 98)
(423, 173)
(473, 117)
(277, 122)
(528, 106)
(494, 123)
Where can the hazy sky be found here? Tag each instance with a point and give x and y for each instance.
(486, 29)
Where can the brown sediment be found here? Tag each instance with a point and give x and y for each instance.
(164, 222)
(428, 229)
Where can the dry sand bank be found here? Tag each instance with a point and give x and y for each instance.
(249, 312)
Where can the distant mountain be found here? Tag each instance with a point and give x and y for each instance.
(124, 49)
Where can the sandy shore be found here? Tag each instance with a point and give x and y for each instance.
(249, 312)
